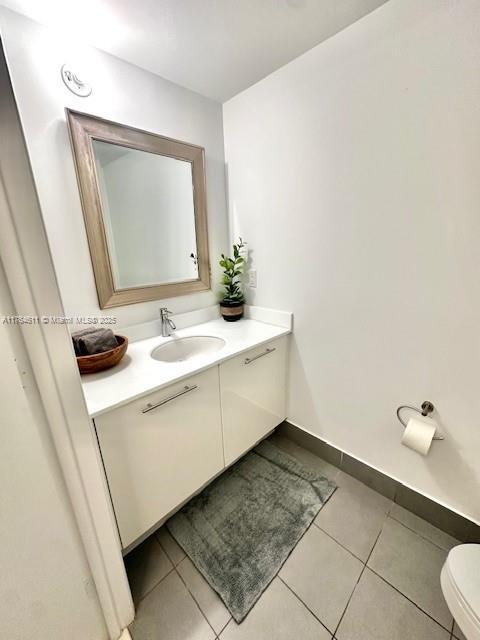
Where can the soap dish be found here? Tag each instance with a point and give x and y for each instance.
(104, 360)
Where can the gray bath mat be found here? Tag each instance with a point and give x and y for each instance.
(240, 530)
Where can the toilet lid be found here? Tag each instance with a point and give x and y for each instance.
(463, 564)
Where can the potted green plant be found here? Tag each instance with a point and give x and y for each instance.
(231, 305)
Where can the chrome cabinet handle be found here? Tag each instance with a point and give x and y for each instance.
(185, 390)
(260, 355)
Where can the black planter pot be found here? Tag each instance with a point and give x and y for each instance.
(231, 310)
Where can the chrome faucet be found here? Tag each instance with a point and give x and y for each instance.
(167, 325)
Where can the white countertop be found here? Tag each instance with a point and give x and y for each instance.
(139, 374)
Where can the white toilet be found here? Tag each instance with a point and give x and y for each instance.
(460, 579)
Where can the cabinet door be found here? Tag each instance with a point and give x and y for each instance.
(157, 459)
(253, 389)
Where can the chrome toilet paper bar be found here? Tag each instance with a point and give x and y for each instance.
(427, 407)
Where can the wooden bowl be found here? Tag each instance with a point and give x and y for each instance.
(104, 360)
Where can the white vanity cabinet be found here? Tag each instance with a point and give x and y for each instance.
(253, 396)
(160, 449)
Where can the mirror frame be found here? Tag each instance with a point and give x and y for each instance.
(84, 128)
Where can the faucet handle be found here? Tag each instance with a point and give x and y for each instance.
(165, 312)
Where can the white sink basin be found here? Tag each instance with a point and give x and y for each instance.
(180, 349)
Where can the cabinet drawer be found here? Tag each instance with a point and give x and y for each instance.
(253, 395)
(156, 457)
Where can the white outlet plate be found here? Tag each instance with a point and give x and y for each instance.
(252, 278)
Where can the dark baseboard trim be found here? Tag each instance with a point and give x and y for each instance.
(452, 523)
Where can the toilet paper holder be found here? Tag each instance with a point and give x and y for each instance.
(427, 407)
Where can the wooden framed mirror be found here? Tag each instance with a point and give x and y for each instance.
(144, 204)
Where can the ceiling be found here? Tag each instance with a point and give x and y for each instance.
(214, 47)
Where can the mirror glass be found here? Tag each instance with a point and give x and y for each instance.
(148, 214)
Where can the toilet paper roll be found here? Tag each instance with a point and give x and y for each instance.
(418, 434)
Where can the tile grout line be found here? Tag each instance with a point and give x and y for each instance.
(359, 577)
(196, 602)
(339, 543)
(175, 567)
(154, 587)
(175, 564)
(391, 585)
(162, 578)
(395, 588)
(302, 602)
(231, 619)
(365, 563)
(419, 534)
(409, 600)
(225, 625)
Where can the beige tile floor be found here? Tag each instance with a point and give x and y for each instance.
(366, 569)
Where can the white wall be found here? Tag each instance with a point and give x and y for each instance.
(122, 93)
(46, 589)
(354, 176)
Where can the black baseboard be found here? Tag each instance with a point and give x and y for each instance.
(457, 526)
